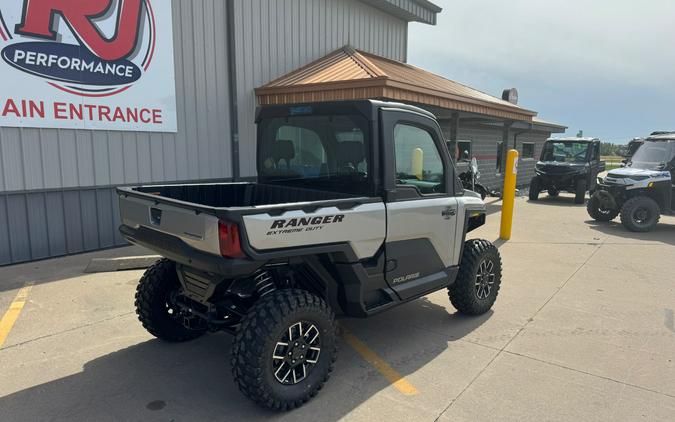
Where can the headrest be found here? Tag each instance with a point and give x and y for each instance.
(351, 152)
(283, 150)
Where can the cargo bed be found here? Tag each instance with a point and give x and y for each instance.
(182, 222)
(227, 195)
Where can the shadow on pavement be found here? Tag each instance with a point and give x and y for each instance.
(562, 200)
(192, 381)
(663, 232)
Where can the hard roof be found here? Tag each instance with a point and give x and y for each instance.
(348, 74)
(662, 137)
(574, 139)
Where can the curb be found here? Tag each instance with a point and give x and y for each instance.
(107, 265)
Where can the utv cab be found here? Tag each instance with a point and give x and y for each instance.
(632, 148)
(567, 164)
(642, 190)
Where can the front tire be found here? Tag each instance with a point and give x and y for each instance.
(480, 275)
(155, 304)
(535, 188)
(580, 193)
(598, 213)
(284, 350)
(640, 214)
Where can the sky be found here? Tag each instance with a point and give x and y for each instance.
(606, 67)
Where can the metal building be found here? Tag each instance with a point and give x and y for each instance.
(57, 184)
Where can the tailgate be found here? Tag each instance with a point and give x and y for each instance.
(197, 229)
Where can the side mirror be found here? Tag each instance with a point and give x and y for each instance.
(474, 165)
(603, 166)
(623, 164)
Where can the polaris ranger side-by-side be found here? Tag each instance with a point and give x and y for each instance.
(357, 209)
(642, 190)
(567, 164)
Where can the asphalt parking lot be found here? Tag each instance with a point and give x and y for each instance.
(583, 329)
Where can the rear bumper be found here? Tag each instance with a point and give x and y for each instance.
(178, 251)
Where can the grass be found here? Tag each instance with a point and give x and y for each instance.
(612, 162)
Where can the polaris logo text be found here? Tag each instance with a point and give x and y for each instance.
(303, 224)
(405, 278)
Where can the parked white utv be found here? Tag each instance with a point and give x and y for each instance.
(357, 209)
(642, 190)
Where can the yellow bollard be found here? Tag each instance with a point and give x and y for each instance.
(418, 163)
(509, 194)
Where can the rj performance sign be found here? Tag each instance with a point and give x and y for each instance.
(87, 64)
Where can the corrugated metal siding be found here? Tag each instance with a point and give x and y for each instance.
(44, 224)
(75, 209)
(484, 147)
(526, 165)
(52, 159)
(274, 37)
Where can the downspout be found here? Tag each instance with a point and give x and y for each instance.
(232, 83)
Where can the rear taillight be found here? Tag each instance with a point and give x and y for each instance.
(228, 234)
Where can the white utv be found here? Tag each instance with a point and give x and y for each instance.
(642, 190)
(357, 209)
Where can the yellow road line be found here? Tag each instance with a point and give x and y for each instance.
(396, 379)
(12, 314)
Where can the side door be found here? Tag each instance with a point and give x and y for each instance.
(421, 206)
(596, 167)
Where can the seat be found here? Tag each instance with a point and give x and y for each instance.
(349, 155)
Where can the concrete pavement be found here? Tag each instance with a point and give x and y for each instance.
(582, 330)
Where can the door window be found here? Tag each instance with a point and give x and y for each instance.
(418, 161)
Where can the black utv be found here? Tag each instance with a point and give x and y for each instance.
(567, 164)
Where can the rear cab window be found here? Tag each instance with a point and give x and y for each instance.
(325, 152)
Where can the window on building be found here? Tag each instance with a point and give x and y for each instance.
(500, 156)
(528, 150)
(463, 152)
(418, 161)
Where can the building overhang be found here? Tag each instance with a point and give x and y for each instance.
(409, 10)
(348, 74)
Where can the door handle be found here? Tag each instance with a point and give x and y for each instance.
(448, 212)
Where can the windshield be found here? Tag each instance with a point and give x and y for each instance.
(654, 155)
(317, 152)
(565, 152)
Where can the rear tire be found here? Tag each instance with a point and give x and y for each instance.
(553, 193)
(535, 188)
(155, 304)
(480, 275)
(580, 192)
(597, 212)
(640, 214)
(269, 363)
